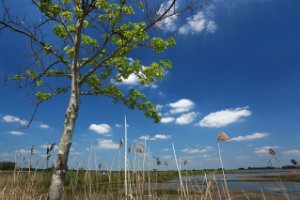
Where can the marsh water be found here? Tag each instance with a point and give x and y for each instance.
(277, 182)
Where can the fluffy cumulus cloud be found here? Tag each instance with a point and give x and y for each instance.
(264, 149)
(253, 136)
(106, 144)
(16, 133)
(198, 23)
(202, 21)
(100, 128)
(155, 137)
(186, 118)
(182, 105)
(224, 117)
(166, 120)
(14, 119)
(131, 80)
(295, 152)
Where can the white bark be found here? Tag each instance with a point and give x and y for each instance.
(61, 165)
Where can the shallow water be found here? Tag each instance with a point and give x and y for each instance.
(249, 181)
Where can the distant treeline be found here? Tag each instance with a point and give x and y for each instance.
(7, 165)
(283, 167)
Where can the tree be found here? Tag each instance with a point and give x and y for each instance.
(91, 48)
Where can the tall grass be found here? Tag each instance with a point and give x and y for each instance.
(141, 181)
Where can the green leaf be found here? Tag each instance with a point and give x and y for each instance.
(61, 90)
(113, 92)
(67, 15)
(60, 31)
(171, 42)
(87, 40)
(47, 48)
(85, 23)
(40, 83)
(101, 4)
(158, 45)
(43, 96)
(56, 73)
(94, 83)
(31, 74)
(166, 63)
(18, 77)
(69, 50)
(65, 2)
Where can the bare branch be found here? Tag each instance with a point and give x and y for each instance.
(32, 37)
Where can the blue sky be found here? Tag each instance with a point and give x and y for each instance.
(236, 69)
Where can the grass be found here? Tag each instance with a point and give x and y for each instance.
(33, 183)
(83, 184)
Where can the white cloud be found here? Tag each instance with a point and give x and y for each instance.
(253, 136)
(107, 144)
(132, 80)
(166, 120)
(118, 125)
(12, 119)
(169, 23)
(211, 26)
(186, 118)
(292, 152)
(264, 149)
(144, 137)
(156, 137)
(44, 126)
(195, 150)
(159, 107)
(224, 117)
(165, 149)
(100, 128)
(182, 105)
(151, 85)
(162, 137)
(16, 133)
(198, 23)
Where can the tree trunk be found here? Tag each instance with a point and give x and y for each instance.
(61, 165)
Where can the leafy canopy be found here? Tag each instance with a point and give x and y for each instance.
(94, 39)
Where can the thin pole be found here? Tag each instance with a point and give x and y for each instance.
(126, 193)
